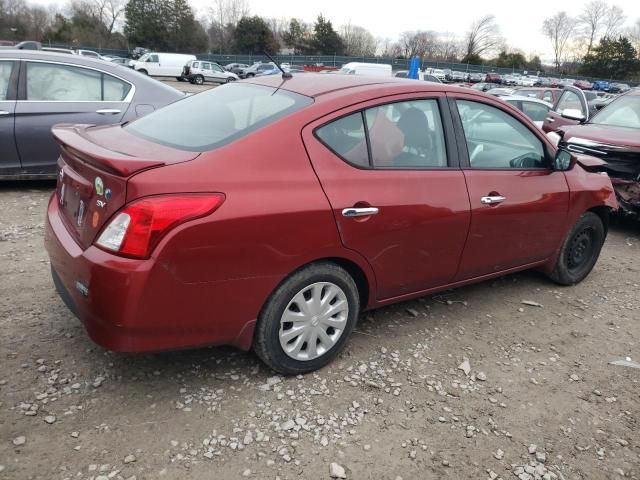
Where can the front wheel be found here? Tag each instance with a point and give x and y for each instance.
(580, 250)
(307, 319)
(180, 79)
(229, 79)
(198, 80)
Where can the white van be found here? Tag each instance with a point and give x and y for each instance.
(162, 64)
(372, 69)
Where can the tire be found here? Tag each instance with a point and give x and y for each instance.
(180, 79)
(250, 75)
(331, 284)
(229, 79)
(143, 71)
(580, 250)
(198, 79)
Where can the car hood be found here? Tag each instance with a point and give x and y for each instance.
(603, 135)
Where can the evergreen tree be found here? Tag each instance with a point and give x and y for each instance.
(611, 59)
(326, 40)
(253, 35)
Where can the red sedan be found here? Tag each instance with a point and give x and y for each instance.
(269, 213)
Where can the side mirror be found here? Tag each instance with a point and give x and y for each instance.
(573, 114)
(563, 161)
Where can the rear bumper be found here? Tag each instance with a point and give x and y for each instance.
(129, 305)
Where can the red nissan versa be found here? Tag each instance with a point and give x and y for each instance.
(268, 213)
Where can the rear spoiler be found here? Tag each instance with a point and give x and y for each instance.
(75, 144)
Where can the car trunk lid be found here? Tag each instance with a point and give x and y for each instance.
(92, 178)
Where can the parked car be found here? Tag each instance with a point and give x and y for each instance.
(457, 76)
(619, 88)
(137, 52)
(28, 45)
(422, 76)
(484, 87)
(235, 67)
(162, 64)
(371, 69)
(436, 72)
(255, 69)
(88, 53)
(188, 249)
(120, 61)
(501, 92)
(549, 94)
(572, 107)
(199, 71)
(493, 78)
(537, 110)
(601, 85)
(583, 84)
(475, 77)
(613, 135)
(59, 88)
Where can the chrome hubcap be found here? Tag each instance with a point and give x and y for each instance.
(313, 321)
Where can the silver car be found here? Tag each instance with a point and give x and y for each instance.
(199, 71)
(40, 89)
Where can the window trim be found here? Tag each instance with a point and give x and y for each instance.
(22, 84)
(463, 150)
(12, 87)
(451, 155)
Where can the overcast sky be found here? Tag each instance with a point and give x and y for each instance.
(519, 21)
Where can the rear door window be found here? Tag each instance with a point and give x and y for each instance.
(64, 83)
(346, 138)
(5, 76)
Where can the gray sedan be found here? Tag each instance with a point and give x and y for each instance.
(40, 89)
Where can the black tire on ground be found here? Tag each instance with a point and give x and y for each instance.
(249, 75)
(198, 79)
(180, 79)
(266, 340)
(229, 79)
(580, 250)
(143, 71)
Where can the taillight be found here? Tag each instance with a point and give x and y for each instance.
(139, 226)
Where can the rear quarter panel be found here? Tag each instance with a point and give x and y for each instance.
(218, 271)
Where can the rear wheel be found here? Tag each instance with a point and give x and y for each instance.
(580, 250)
(198, 79)
(249, 75)
(307, 319)
(180, 79)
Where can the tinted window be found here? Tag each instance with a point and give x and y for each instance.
(406, 135)
(54, 82)
(217, 117)
(153, 59)
(345, 137)
(548, 96)
(569, 99)
(495, 139)
(535, 111)
(196, 64)
(5, 75)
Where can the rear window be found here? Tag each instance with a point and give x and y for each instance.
(217, 117)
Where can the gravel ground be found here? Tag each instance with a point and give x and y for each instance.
(468, 384)
(187, 87)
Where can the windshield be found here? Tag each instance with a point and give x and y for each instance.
(217, 117)
(623, 112)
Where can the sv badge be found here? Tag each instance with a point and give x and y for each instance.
(101, 203)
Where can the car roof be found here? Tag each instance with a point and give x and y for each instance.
(317, 84)
(528, 99)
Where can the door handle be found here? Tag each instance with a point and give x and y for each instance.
(551, 119)
(492, 200)
(108, 111)
(4, 112)
(359, 212)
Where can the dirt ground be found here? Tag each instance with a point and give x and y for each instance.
(540, 399)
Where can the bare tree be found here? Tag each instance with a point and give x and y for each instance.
(417, 43)
(558, 29)
(448, 47)
(358, 41)
(633, 33)
(591, 21)
(483, 37)
(223, 16)
(613, 21)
